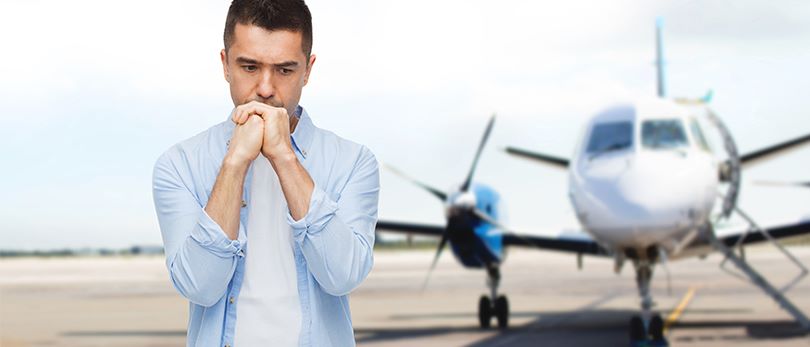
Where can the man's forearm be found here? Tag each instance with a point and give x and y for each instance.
(295, 182)
(226, 197)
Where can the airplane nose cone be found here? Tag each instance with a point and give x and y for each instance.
(659, 194)
(650, 194)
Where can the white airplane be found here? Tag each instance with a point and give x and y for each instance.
(644, 184)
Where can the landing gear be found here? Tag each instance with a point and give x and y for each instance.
(656, 330)
(648, 328)
(653, 335)
(493, 305)
(637, 330)
(502, 312)
(484, 311)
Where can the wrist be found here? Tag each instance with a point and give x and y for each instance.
(282, 155)
(232, 161)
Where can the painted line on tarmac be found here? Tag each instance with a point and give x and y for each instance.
(673, 317)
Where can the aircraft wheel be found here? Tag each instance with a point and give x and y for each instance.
(502, 312)
(657, 329)
(484, 311)
(637, 331)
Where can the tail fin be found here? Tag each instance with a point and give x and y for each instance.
(708, 97)
(659, 59)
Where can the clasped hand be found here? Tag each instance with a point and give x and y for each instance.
(260, 128)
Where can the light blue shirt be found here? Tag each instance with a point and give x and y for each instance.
(333, 242)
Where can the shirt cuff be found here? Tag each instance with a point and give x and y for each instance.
(321, 210)
(210, 236)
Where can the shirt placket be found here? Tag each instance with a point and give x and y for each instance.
(236, 283)
(303, 296)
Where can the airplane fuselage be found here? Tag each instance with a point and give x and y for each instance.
(643, 176)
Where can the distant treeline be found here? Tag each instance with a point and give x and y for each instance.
(158, 250)
(134, 250)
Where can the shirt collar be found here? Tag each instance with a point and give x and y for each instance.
(301, 137)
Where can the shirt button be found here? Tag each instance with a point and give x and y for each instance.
(244, 204)
(230, 300)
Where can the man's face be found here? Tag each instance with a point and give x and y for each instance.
(266, 66)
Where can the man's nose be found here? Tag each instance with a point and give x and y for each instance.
(265, 88)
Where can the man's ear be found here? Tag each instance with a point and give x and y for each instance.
(309, 68)
(224, 57)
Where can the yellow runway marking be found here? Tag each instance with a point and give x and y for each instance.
(673, 317)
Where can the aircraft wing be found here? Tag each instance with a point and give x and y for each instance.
(581, 244)
(761, 155)
(731, 235)
(573, 243)
(411, 228)
(558, 162)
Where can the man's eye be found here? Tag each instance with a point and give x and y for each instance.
(285, 71)
(249, 68)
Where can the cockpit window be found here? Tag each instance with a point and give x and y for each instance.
(697, 134)
(663, 134)
(612, 136)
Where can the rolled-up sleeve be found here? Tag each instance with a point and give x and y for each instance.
(337, 237)
(201, 259)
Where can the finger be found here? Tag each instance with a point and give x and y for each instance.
(241, 115)
(262, 110)
(237, 117)
(255, 118)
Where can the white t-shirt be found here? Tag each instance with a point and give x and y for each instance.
(267, 311)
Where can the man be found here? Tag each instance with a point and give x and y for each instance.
(267, 221)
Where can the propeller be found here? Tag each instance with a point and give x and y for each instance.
(466, 185)
(437, 193)
(783, 184)
(487, 218)
(439, 250)
(444, 196)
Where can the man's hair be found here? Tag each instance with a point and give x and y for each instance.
(292, 15)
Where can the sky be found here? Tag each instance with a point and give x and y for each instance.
(92, 92)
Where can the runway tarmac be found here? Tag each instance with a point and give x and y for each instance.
(130, 302)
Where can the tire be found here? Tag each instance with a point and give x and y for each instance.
(484, 311)
(502, 312)
(657, 329)
(637, 331)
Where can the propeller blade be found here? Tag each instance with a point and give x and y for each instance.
(779, 183)
(437, 193)
(504, 230)
(439, 250)
(483, 142)
(487, 218)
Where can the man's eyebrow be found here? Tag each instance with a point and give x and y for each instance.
(243, 60)
(290, 63)
(285, 64)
